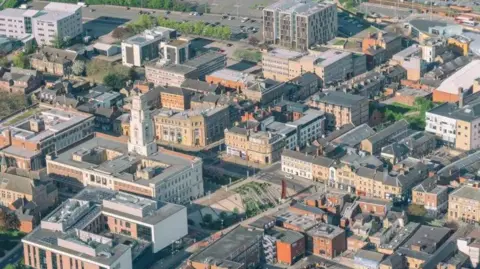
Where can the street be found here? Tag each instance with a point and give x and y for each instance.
(14, 256)
(110, 14)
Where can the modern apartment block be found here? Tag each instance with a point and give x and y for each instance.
(329, 65)
(299, 24)
(101, 228)
(56, 20)
(163, 73)
(455, 125)
(145, 46)
(134, 166)
(464, 204)
(192, 128)
(49, 130)
(342, 109)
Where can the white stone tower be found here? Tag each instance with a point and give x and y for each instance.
(142, 138)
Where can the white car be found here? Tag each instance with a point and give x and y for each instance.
(289, 176)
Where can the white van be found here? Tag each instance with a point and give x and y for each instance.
(82, 4)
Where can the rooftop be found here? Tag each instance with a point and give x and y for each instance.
(300, 7)
(341, 99)
(46, 123)
(369, 255)
(62, 7)
(285, 54)
(463, 78)
(308, 117)
(222, 251)
(467, 192)
(207, 111)
(428, 239)
(355, 136)
(120, 162)
(325, 230)
(390, 130)
(63, 228)
(189, 65)
(318, 160)
(303, 222)
(232, 75)
(149, 36)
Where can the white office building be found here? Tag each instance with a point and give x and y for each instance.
(56, 20)
(145, 46)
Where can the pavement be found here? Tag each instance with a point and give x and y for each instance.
(113, 14)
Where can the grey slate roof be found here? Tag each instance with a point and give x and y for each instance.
(318, 160)
(340, 98)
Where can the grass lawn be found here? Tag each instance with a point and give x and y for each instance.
(339, 42)
(23, 116)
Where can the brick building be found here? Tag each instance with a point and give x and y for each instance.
(54, 61)
(193, 128)
(326, 240)
(75, 234)
(26, 142)
(342, 109)
(21, 81)
(432, 196)
(174, 97)
(464, 204)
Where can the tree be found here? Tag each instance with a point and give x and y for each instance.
(20, 60)
(113, 80)
(58, 42)
(122, 32)
(11, 4)
(207, 218)
(253, 41)
(4, 61)
(79, 68)
(417, 210)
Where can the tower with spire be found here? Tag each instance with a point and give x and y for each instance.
(142, 138)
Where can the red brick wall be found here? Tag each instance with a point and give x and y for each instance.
(439, 96)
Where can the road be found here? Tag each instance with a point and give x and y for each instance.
(100, 12)
(14, 257)
(274, 174)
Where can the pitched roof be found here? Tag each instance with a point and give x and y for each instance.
(318, 160)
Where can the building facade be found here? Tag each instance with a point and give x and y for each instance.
(464, 204)
(192, 128)
(73, 235)
(145, 46)
(298, 25)
(342, 109)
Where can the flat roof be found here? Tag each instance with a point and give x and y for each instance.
(285, 54)
(228, 246)
(64, 7)
(62, 229)
(172, 162)
(299, 7)
(54, 120)
(341, 98)
(232, 75)
(463, 78)
(308, 117)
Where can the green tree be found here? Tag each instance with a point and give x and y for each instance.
(198, 28)
(58, 42)
(11, 4)
(417, 210)
(4, 61)
(207, 218)
(79, 68)
(10, 266)
(20, 60)
(113, 80)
